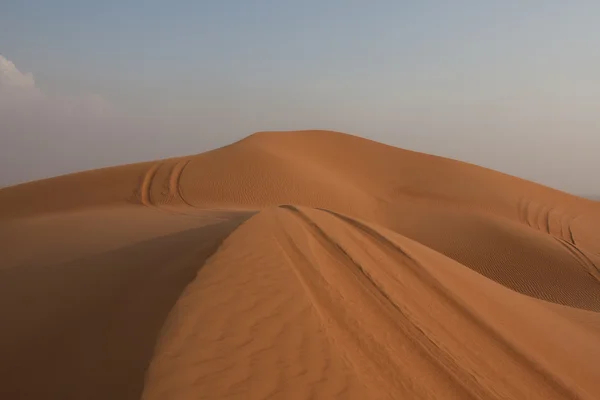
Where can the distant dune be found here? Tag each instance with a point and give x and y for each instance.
(298, 265)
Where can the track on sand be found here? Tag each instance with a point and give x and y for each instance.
(298, 265)
(382, 317)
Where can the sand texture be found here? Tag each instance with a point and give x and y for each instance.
(298, 265)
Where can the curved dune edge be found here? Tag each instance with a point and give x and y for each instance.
(320, 304)
(302, 265)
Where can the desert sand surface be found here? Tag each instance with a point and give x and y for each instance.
(298, 265)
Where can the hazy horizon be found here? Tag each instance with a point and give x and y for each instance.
(507, 86)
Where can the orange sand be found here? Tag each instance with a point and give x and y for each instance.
(298, 265)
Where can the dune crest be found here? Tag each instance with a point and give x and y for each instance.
(309, 264)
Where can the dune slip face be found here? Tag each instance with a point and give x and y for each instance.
(298, 265)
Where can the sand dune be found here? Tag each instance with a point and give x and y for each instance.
(298, 265)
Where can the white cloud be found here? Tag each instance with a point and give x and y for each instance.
(37, 128)
(20, 96)
(11, 77)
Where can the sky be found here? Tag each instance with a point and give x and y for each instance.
(510, 85)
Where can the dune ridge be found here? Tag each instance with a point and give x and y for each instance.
(298, 265)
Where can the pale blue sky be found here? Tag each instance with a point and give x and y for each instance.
(508, 85)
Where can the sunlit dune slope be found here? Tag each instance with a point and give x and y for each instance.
(298, 265)
(316, 168)
(322, 305)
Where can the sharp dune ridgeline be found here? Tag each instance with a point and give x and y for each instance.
(298, 265)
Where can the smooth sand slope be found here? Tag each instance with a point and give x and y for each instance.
(298, 265)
